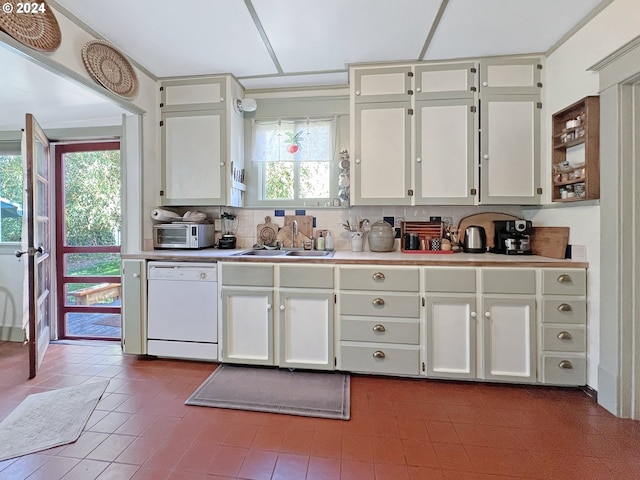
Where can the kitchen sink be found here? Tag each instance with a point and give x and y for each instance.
(285, 253)
(309, 253)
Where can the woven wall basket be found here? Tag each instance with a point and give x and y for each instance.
(110, 68)
(39, 30)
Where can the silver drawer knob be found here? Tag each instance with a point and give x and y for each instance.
(378, 354)
(564, 307)
(564, 278)
(566, 364)
(564, 336)
(281, 307)
(378, 276)
(136, 275)
(379, 328)
(378, 302)
(487, 314)
(473, 314)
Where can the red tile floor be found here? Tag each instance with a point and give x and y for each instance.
(399, 429)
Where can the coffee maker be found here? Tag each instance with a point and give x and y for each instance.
(512, 237)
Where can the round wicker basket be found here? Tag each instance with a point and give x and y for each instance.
(110, 68)
(36, 29)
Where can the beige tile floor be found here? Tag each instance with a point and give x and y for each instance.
(399, 429)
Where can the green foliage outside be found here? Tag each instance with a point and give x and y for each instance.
(11, 189)
(313, 180)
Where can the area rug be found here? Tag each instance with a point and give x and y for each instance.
(49, 419)
(274, 390)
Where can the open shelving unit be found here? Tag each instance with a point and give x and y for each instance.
(576, 152)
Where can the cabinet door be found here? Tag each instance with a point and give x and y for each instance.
(457, 80)
(509, 339)
(193, 158)
(382, 151)
(193, 94)
(247, 326)
(451, 336)
(390, 84)
(445, 152)
(510, 76)
(134, 303)
(306, 330)
(510, 149)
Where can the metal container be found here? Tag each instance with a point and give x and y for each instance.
(475, 239)
(381, 237)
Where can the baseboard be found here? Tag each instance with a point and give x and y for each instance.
(11, 334)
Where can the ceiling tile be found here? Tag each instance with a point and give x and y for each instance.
(172, 38)
(471, 28)
(328, 34)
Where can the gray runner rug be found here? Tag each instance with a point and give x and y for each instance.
(309, 394)
(49, 419)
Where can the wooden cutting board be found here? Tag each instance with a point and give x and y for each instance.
(267, 232)
(305, 223)
(484, 220)
(550, 241)
(284, 235)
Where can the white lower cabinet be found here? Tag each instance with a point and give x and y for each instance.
(379, 320)
(247, 313)
(134, 306)
(306, 305)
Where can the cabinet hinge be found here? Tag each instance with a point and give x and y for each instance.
(162, 193)
(473, 89)
(423, 302)
(539, 105)
(423, 367)
(539, 84)
(473, 109)
(161, 123)
(162, 89)
(161, 105)
(335, 361)
(409, 92)
(473, 70)
(410, 111)
(539, 66)
(539, 191)
(335, 298)
(409, 74)
(410, 193)
(473, 191)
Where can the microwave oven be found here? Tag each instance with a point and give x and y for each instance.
(183, 235)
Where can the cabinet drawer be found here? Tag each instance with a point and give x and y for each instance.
(247, 275)
(306, 276)
(381, 304)
(574, 373)
(564, 339)
(373, 358)
(454, 280)
(385, 330)
(383, 278)
(564, 310)
(563, 281)
(509, 280)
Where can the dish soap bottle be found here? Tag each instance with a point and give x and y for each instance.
(328, 242)
(320, 244)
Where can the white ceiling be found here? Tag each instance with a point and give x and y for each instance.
(279, 43)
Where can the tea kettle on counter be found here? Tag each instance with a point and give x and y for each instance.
(475, 240)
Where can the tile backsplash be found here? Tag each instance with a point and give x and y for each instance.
(333, 218)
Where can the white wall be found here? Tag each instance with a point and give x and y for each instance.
(11, 274)
(567, 80)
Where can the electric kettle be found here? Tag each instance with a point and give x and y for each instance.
(475, 239)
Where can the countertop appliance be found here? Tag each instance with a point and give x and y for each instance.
(512, 237)
(183, 235)
(182, 316)
(229, 229)
(475, 239)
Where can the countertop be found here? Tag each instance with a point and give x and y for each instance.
(366, 257)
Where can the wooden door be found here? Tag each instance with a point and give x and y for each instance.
(37, 245)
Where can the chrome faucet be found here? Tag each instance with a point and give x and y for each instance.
(294, 233)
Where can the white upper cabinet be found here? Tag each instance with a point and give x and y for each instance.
(201, 138)
(446, 81)
(387, 84)
(511, 76)
(382, 138)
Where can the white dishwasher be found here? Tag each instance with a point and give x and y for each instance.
(182, 313)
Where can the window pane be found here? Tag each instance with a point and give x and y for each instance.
(11, 187)
(92, 264)
(314, 180)
(278, 180)
(92, 198)
(93, 325)
(104, 294)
